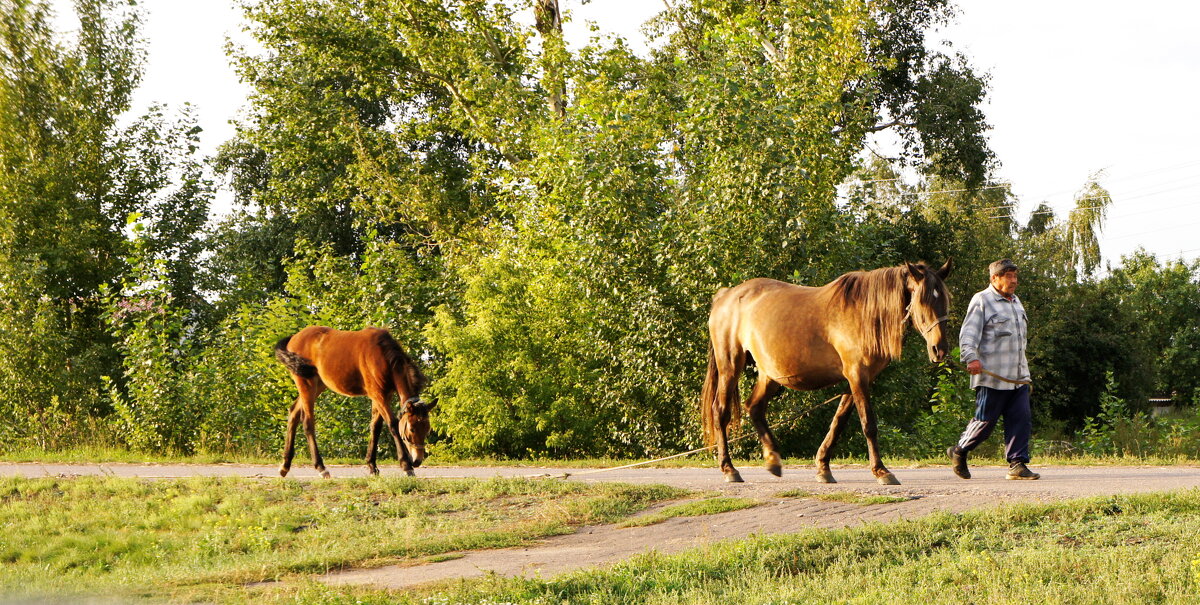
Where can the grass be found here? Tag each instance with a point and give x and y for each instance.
(847, 497)
(695, 508)
(1134, 549)
(196, 539)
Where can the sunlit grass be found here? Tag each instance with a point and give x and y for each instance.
(695, 508)
(846, 497)
(89, 536)
(1135, 549)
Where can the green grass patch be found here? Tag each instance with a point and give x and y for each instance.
(847, 497)
(185, 539)
(695, 508)
(1129, 549)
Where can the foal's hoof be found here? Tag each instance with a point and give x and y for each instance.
(887, 479)
(283, 471)
(324, 474)
(825, 477)
(733, 477)
(410, 472)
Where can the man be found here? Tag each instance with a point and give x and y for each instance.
(992, 341)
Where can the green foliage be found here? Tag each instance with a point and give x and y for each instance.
(69, 177)
(1119, 431)
(952, 406)
(542, 225)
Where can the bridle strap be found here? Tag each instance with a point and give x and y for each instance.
(926, 329)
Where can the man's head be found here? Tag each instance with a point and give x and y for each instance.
(1004, 276)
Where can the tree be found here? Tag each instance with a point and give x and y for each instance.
(70, 177)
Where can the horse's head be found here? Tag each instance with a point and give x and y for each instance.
(414, 428)
(930, 302)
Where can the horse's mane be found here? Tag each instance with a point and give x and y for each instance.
(399, 361)
(877, 300)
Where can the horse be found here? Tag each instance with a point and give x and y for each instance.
(808, 338)
(366, 362)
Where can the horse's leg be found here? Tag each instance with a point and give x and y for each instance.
(825, 452)
(306, 406)
(376, 425)
(380, 401)
(723, 405)
(289, 437)
(756, 406)
(866, 415)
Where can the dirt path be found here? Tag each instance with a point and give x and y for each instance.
(927, 489)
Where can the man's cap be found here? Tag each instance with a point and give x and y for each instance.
(1001, 267)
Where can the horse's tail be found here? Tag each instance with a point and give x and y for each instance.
(401, 364)
(294, 363)
(707, 393)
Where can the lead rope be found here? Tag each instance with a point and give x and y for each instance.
(790, 421)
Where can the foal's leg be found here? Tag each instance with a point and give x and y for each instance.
(866, 415)
(310, 429)
(303, 411)
(835, 429)
(756, 406)
(289, 437)
(376, 425)
(380, 403)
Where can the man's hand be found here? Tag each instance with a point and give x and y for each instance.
(974, 367)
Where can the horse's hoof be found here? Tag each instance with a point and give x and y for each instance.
(887, 479)
(410, 472)
(826, 477)
(733, 477)
(283, 471)
(373, 471)
(773, 464)
(324, 474)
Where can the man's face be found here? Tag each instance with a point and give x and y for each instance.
(1006, 282)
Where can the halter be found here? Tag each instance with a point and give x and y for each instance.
(926, 329)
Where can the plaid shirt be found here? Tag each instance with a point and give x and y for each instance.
(994, 332)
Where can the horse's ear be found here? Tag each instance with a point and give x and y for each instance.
(430, 405)
(944, 272)
(916, 271)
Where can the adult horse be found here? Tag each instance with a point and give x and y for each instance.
(809, 338)
(367, 362)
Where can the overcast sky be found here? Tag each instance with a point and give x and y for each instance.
(1077, 87)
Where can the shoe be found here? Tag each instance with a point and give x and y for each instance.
(958, 461)
(1018, 470)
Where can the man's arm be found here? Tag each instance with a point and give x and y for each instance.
(970, 334)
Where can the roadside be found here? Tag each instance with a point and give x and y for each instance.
(927, 490)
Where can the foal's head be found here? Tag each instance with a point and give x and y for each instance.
(930, 302)
(414, 428)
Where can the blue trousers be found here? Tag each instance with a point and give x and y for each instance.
(990, 405)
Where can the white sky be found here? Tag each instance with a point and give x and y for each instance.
(1076, 87)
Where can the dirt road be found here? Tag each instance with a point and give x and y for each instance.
(927, 490)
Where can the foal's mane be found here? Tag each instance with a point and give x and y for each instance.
(400, 362)
(877, 301)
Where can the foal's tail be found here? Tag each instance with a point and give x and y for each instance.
(293, 362)
(708, 399)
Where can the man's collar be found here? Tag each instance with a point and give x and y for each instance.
(1000, 295)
